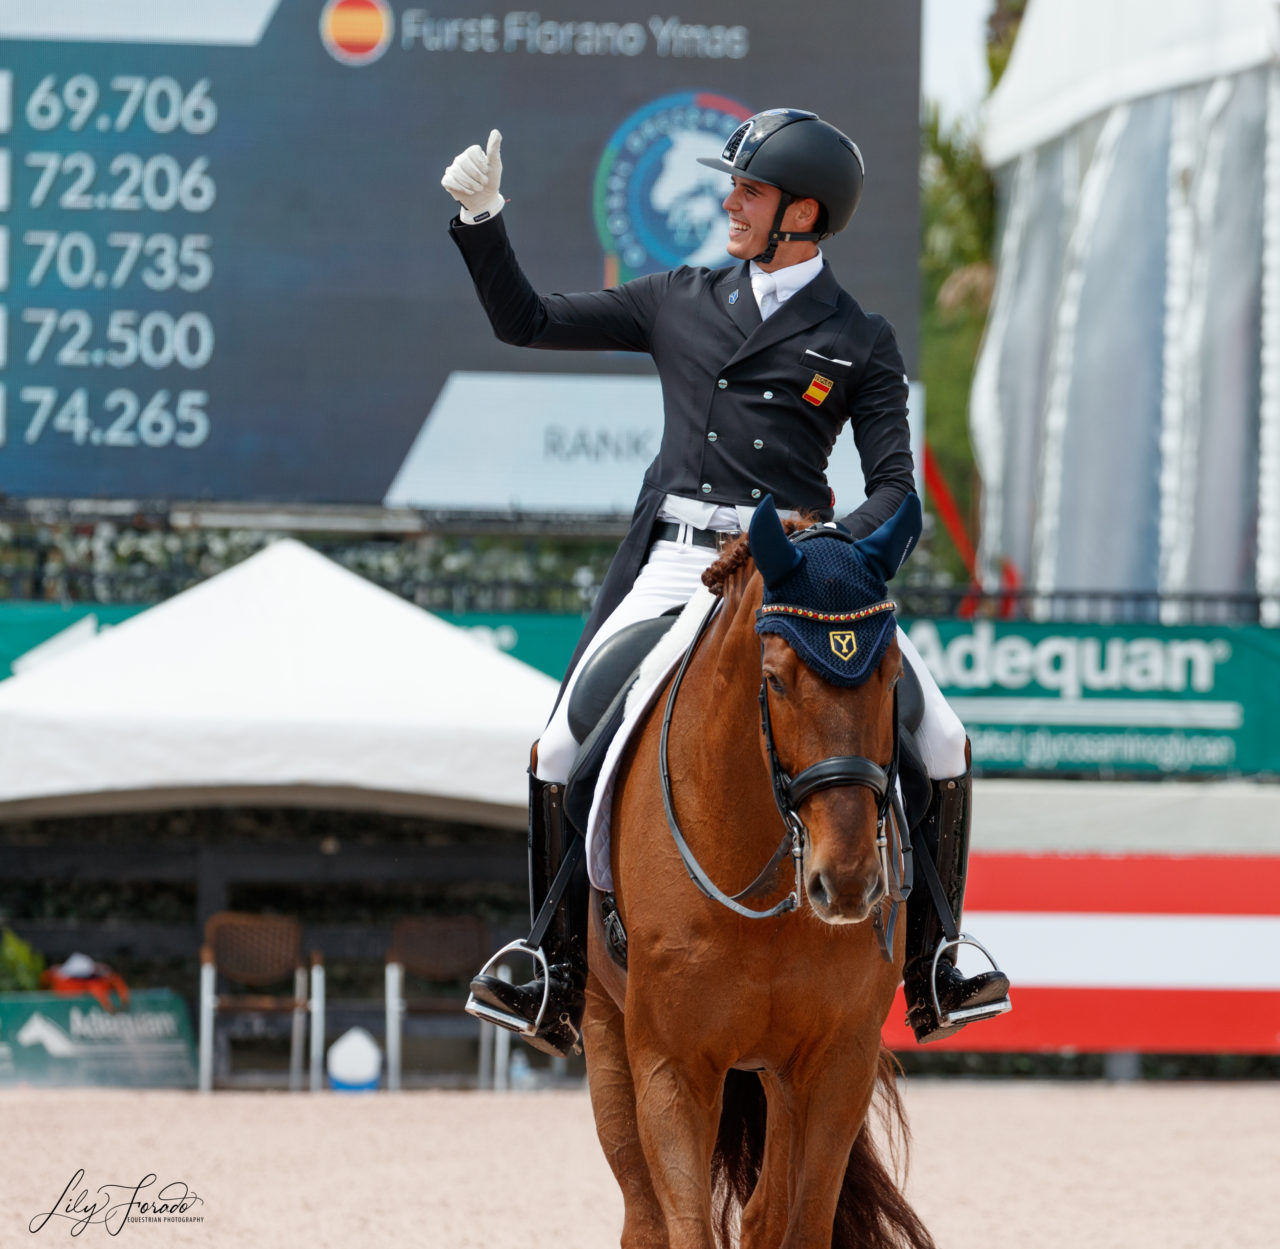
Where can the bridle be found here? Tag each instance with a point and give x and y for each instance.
(789, 793)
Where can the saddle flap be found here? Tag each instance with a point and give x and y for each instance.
(581, 786)
(609, 669)
(910, 699)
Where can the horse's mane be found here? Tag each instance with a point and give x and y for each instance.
(737, 555)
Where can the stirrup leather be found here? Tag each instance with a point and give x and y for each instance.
(506, 1019)
(988, 1010)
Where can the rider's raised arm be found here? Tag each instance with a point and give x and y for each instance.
(619, 319)
(882, 435)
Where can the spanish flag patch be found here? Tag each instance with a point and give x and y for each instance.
(818, 390)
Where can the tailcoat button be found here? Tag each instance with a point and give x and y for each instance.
(722, 384)
(768, 394)
(712, 436)
(759, 442)
(755, 494)
(706, 487)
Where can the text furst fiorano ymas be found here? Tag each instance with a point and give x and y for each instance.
(529, 31)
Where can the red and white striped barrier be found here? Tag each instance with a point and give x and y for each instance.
(1144, 953)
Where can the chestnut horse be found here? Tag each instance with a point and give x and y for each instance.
(733, 1063)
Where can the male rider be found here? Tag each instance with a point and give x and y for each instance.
(761, 364)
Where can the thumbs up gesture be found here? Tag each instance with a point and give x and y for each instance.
(473, 178)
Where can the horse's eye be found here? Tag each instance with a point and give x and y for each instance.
(775, 685)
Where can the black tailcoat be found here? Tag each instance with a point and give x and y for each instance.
(751, 408)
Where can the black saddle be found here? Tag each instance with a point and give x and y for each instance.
(597, 703)
(916, 789)
(611, 669)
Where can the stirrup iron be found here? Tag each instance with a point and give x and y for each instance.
(506, 1019)
(988, 1011)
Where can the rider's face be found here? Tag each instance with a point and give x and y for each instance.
(751, 207)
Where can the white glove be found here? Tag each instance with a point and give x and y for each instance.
(473, 180)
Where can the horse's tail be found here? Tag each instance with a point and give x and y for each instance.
(739, 1152)
(872, 1213)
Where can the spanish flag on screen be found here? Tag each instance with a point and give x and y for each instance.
(356, 31)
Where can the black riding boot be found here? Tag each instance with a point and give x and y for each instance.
(945, 829)
(565, 945)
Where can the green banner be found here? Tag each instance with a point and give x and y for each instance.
(1070, 698)
(26, 625)
(54, 1039)
(543, 641)
(1110, 699)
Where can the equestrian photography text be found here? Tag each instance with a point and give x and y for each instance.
(114, 1205)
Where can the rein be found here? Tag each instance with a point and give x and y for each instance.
(788, 793)
(792, 841)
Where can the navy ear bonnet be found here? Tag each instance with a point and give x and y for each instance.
(826, 595)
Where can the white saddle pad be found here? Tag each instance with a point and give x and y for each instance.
(657, 667)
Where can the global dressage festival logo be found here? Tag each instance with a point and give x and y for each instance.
(655, 207)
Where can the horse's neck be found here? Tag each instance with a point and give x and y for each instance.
(732, 722)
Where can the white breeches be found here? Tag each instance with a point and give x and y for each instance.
(668, 579)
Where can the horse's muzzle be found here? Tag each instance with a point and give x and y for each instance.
(843, 895)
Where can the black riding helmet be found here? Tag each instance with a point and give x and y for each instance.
(805, 158)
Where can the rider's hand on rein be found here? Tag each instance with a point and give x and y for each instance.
(473, 178)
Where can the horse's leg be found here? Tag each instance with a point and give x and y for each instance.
(764, 1218)
(678, 1104)
(613, 1102)
(829, 1101)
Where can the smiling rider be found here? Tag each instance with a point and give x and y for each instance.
(762, 365)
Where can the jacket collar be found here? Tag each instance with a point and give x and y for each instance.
(809, 305)
(735, 296)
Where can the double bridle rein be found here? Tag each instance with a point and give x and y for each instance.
(789, 793)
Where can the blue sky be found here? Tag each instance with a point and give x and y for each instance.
(953, 60)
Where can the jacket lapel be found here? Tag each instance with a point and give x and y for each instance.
(735, 296)
(809, 305)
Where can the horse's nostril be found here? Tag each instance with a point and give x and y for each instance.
(817, 890)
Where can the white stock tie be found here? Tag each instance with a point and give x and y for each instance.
(765, 287)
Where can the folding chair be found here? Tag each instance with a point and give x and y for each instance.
(259, 951)
(433, 948)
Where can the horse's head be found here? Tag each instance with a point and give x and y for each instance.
(829, 664)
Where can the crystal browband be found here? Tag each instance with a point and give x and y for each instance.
(785, 609)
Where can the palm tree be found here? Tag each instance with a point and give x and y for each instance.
(958, 212)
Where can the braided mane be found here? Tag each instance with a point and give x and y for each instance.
(737, 555)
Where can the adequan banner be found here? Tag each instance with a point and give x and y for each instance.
(1106, 699)
(48, 1039)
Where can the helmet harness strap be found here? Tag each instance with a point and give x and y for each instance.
(777, 236)
(785, 201)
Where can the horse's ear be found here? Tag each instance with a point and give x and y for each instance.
(772, 550)
(887, 548)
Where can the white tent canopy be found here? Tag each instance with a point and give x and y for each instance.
(1126, 405)
(1081, 57)
(285, 679)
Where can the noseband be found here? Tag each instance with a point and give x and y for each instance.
(789, 793)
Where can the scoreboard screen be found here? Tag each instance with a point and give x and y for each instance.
(224, 264)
